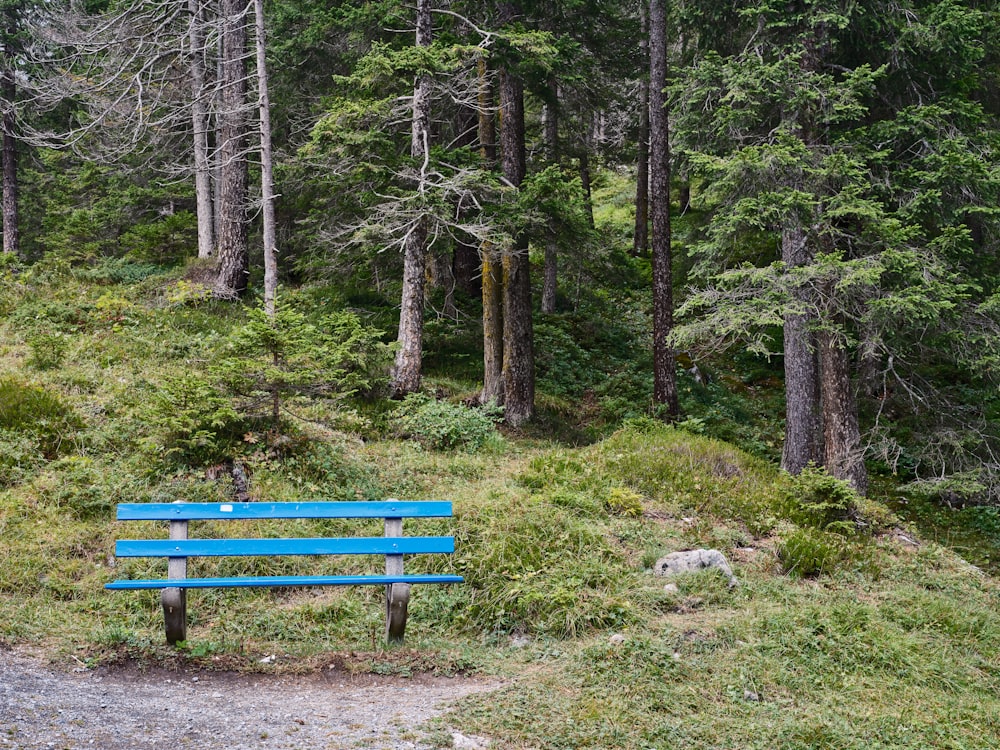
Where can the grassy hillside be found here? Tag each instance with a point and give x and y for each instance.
(846, 631)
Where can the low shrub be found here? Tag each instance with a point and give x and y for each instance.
(809, 552)
(443, 426)
(48, 350)
(816, 500)
(34, 411)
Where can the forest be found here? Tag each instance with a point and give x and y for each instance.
(811, 184)
(617, 278)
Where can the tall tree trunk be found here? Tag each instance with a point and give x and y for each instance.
(234, 255)
(492, 272)
(585, 181)
(267, 166)
(664, 374)
(199, 123)
(518, 352)
(640, 240)
(844, 457)
(409, 355)
(465, 256)
(8, 93)
(803, 421)
(551, 270)
(11, 222)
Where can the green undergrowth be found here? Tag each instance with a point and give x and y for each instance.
(845, 631)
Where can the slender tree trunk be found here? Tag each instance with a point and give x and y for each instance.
(640, 241)
(199, 123)
(267, 166)
(803, 421)
(550, 278)
(841, 433)
(465, 256)
(8, 93)
(409, 355)
(11, 222)
(585, 182)
(518, 352)
(664, 368)
(234, 255)
(492, 272)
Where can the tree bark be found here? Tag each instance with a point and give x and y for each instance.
(841, 433)
(267, 167)
(803, 421)
(585, 182)
(550, 277)
(8, 92)
(492, 272)
(199, 122)
(640, 240)
(234, 255)
(11, 222)
(409, 356)
(518, 352)
(664, 375)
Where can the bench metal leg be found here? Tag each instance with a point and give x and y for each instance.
(397, 598)
(174, 601)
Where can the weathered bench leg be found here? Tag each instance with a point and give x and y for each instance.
(174, 601)
(397, 598)
(397, 595)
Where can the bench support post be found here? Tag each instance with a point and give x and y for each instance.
(397, 595)
(174, 600)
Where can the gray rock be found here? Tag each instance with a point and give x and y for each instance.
(466, 742)
(691, 561)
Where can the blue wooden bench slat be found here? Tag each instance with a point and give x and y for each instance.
(247, 582)
(268, 547)
(346, 509)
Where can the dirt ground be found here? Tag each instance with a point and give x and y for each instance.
(70, 707)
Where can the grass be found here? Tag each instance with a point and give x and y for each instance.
(890, 645)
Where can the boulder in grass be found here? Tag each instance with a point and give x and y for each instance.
(691, 561)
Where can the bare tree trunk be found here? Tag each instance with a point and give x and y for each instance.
(518, 352)
(551, 270)
(234, 255)
(640, 240)
(803, 421)
(409, 355)
(8, 92)
(11, 222)
(267, 166)
(199, 123)
(492, 274)
(664, 368)
(841, 433)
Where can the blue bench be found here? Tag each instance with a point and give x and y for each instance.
(179, 547)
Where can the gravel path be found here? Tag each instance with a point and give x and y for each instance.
(124, 709)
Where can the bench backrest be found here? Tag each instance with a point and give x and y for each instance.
(347, 509)
(393, 543)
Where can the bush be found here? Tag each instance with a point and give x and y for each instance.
(269, 361)
(48, 350)
(815, 500)
(807, 553)
(443, 426)
(30, 410)
(192, 421)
